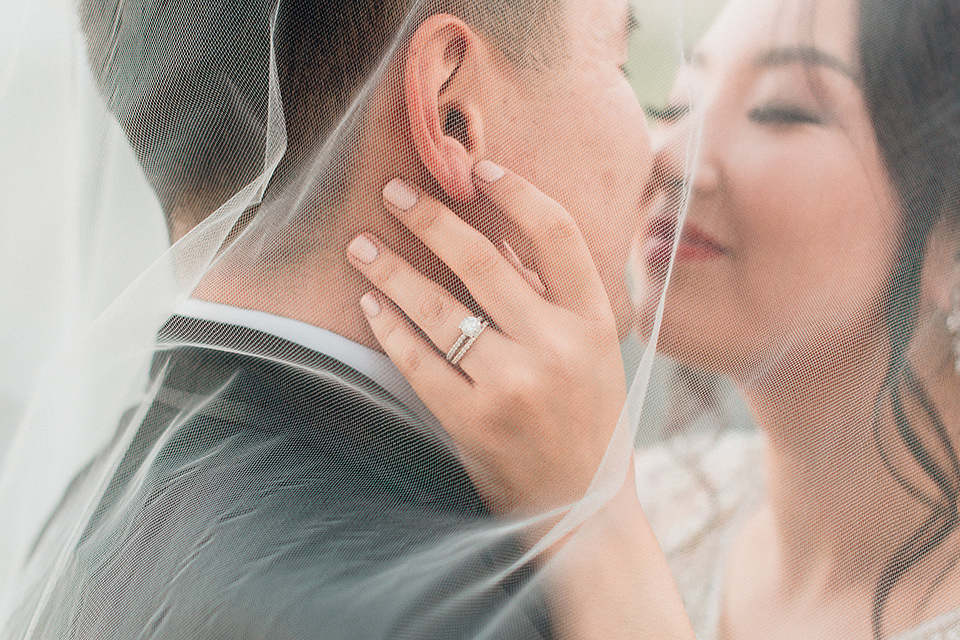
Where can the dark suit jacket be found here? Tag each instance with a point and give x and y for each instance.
(273, 492)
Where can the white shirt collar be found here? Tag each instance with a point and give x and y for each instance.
(370, 363)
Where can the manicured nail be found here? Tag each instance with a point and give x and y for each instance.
(488, 171)
(399, 194)
(370, 305)
(363, 250)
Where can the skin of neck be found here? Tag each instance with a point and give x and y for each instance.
(836, 512)
(322, 288)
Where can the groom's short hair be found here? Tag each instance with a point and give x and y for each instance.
(188, 79)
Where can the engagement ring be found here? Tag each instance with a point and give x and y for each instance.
(470, 329)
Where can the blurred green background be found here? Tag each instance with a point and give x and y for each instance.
(667, 29)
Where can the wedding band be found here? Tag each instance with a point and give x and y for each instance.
(470, 329)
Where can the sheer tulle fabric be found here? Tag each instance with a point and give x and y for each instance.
(179, 476)
(808, 411)
(176, 476)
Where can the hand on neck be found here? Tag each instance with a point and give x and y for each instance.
(317, 285)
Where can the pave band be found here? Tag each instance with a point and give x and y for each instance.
(470, 329)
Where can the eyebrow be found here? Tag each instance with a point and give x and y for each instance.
(784, 56)
(805, 55)
(633, 22)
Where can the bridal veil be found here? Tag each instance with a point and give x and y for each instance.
(155, 149)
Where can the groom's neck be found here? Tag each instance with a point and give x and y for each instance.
(321, 288)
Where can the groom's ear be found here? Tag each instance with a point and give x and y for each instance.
(446, 69)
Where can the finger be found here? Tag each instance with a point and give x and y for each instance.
(426, 304)
(431, 377)
(449, 396)
(494, 283)
(531, 276)
(561, 254)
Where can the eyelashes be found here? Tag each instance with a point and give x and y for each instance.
(668, 113)
(783, 115)
(772, 115)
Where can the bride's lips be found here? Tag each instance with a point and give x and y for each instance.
(695, 244)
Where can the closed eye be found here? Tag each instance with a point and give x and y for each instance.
(783, 115)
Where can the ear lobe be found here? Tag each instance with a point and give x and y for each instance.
(441, 94)
(459, 147)
(456, 169)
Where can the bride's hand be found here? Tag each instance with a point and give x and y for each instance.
(533, 403)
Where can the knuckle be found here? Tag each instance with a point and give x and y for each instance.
(387, 269)
(561, 230)
(411, 361)
(479, 261)
(428, 217)
(434, 311)
(521, 386)
(387, 333)
(565, 353)
(512, 188)
(563, 364)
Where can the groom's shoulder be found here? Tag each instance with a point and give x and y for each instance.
(279, 494)
(284, 494)
(222, 387)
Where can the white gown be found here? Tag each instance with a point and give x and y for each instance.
(696, 509)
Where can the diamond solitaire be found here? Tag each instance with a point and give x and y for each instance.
(471, 326)
(470, 329)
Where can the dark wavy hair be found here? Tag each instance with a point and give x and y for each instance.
(910, 61)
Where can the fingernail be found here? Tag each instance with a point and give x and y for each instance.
(488, 171)
(362, 249)
(399, 194)
(370, 305)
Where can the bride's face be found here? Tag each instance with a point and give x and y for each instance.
(791, 228)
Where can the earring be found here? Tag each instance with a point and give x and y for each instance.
(953, 324)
